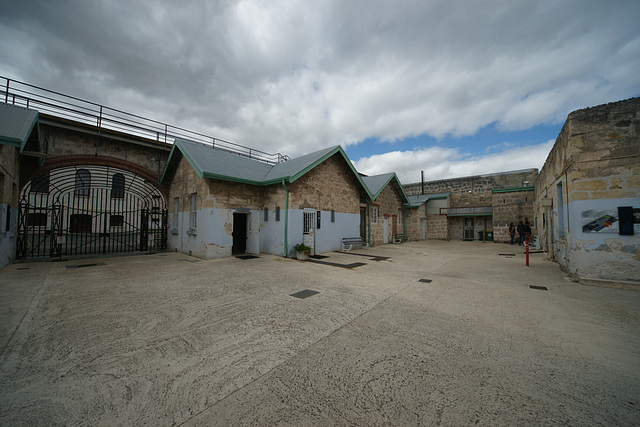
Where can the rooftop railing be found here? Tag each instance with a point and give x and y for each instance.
(79, 110)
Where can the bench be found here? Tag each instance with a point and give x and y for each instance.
(349, 243)
(399, 238)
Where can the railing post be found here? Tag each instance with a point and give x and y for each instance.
(100, 117)
(6, 93)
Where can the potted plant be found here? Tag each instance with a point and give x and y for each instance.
(302, 251)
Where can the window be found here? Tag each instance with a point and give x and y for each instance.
(333, 215)
(37, 219)
(277, 213)
(83, 182)
(193, 215)
(374, 215)
(176, 210)
(80, 223)
(117, 186)
(318, 220)
(266, 214)
(116, 221)
(399, 217)
(307, 227)
(40, 184)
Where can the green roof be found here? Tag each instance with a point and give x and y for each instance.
(377, 183)
(16, 124)
(209, 162)
(416, 200)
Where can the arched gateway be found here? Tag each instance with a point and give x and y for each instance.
(88, 209)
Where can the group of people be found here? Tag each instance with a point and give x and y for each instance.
(523, 229)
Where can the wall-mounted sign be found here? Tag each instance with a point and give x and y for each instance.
(600, 221)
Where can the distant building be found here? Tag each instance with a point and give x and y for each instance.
(472, 208)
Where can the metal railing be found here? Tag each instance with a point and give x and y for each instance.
(79, 110)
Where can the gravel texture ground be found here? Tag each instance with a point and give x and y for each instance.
(167, 339)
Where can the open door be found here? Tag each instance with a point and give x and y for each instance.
(239, 233)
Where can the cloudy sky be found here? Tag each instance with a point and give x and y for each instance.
(450, 87)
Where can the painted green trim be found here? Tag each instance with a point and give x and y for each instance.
(481, 214)
(406, 199)
(176, 146)
(338, 149)
(369, 220)
(404, 222)
(231, 178)
(286, 218)
(510, 190)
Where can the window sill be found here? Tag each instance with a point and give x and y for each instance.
(192, 232)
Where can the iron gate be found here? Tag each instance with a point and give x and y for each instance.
(84, 210)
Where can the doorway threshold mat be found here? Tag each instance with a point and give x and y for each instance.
(304, 294)
(373, 257)
(335, 264)
(86, 265)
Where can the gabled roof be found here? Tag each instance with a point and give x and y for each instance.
(219, 164)
(377, 183)
(16, 125)
(416, 200)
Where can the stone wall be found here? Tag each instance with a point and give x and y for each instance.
(9, 177)
(437, 227)
(475, 184)
(329, 186)
(389, 203)
(512, 207)
(593, 168)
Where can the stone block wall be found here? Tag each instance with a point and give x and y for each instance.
(513, 206)
(437, 227)
(389, 204)
(328, 186)
(593, 168)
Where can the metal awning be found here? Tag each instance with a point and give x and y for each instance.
(471, 211)
(16, 125)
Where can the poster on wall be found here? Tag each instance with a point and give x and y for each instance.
(600, 221)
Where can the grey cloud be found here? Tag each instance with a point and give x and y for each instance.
(295, 76)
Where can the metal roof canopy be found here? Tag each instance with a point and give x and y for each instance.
(17, 124)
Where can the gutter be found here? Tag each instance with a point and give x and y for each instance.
(286, 217)
(369, 219)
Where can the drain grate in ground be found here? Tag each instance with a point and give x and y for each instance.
(507, 254)
(425, 280)
(542, 288)
(189, 260)
(247, 256)
(86, 265)
(23, 268)
(304, 294)
(318, 256)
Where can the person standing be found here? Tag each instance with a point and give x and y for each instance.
(527, 229)
(520, 230)
(512, 232)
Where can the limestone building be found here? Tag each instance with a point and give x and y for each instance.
(474, 207)
(588, 194)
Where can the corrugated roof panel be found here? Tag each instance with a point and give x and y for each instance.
(222, 164)
(293, 167)
(376, 183)
(16, 124)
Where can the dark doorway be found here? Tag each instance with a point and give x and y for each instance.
(363, 224)
(239, 233)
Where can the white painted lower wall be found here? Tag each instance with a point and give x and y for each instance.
(7, 238)
(608, 256)
(212, 237)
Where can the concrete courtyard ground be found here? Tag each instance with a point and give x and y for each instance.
(167, 339)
